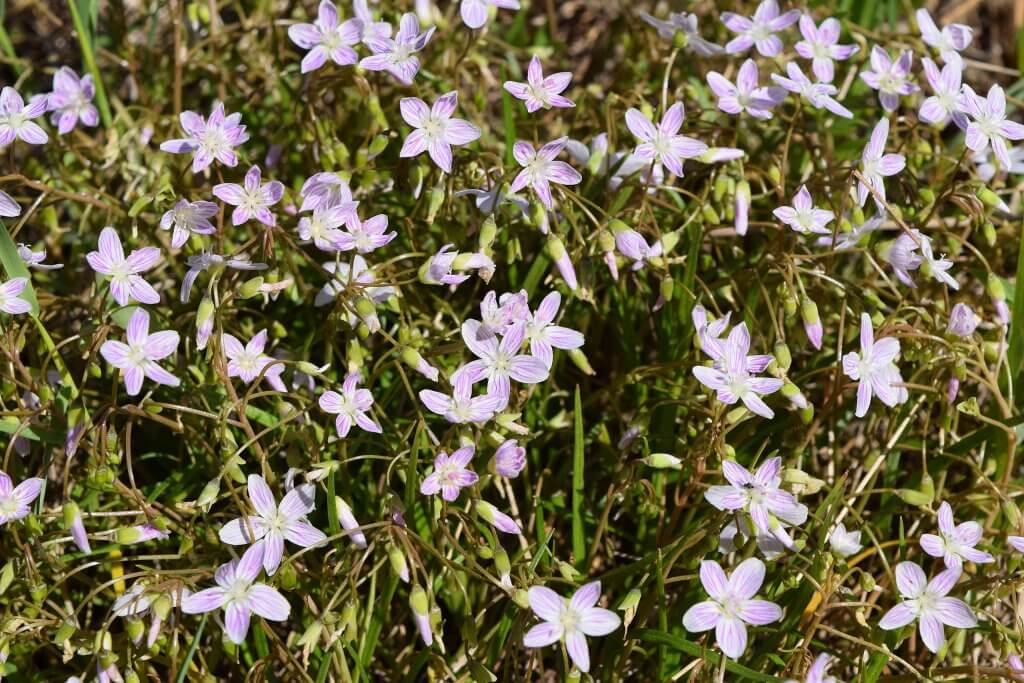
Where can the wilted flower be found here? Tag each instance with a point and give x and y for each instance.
(212, 138)
(851, 239)
(664, 144)
(818, 95)
(733, 381)
(950, 41)
(253, 199)
(509, 459)
(140, 533)
(474, 12)
(769, 546)
(438, 268)
(435, 129)
(844, 543)
(397, 56)
(360, 277)
(570, 621)
(16, 119)
(272, 524)
(71, 101)
(138, 358)
(758, 30)
(984, 161)
(683, 24)
(962, 320)
(876, 165)
(874, 369)
(125, 282)
(10, 299)
(327, 38)
(351, 406)
(926, 602)
(247, 362)
(955, 542)
(539, 92)
(903, 257)
(803, 217)
(540, 169)
(207, 260)
(240, 597)
(732, 605)
(349, 523)
(450, 474)
(746, 95)
(761, 496)
(820, 44)
(188, 217)
(498, 519)
(989, 125)
(15, 500)
(944, 104)
(890, 78)
(620, 165)
(73, 523)
(141, 599)
(462, 407)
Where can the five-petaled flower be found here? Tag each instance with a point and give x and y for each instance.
(876, 165)
(252, 199)
(239, 595)
(212, 138)
(397, 55)
(543, 336)
(803, 217)
(451, 473)
(10, 296)
(351, 406)
(16, 118)
(874, 369)
(186, 218)
(540, 169)
(462, 407)
(664, 143)
(364, 236)
(327, 38)
(570, 621)
(818, 95)
(248, 362)
(821, 45)
(732, 605)
(927, 603)
(955, 542)
(71, 101)
(989, 125)
(15, 500)
(125, 281)
(746, 95)
(950, 41)
(946, 85)
(761, 496)
(890, 78)
(474, 12)
(273, 524)
(733, 381)
(499, 362)
(138, 358)
(539, 92)
(758, 30)
(435, 129)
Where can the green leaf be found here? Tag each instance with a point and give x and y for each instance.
(1015, 354)
(15, 267)
(579, 541)
(10, 425)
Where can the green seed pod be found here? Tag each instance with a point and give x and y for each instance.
(989, 232)
(488, 232)
(927, 195)
(579, 359)
(995, 288)
(521, 598)
(720, 188)
(606, 241)
(663, 461)
(435, 198)
(912, 497)
(782, 355)
(867, 582)
(669, 241)
(484, 552)
(209, 494)
(710, 215)
(65, 631)
(135, 628)
(789, 305)
(418, 601)
(667, 288)
(988, 197)
(398, 563)
(378, 145)
(807, 414)
(250, 288)
(775, 175)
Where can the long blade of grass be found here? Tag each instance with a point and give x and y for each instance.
(579, 540)
(89, 57)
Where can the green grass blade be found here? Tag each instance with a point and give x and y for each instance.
(1015, 354)
(15, 267)
(89, 57)
(579, 541)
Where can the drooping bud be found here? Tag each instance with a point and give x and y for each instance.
(504, 567)
(488, 232)
(73, 523)
(988, 197)
(204, 322)
(962, 321)
(509, 459)
(812, 323)
(663, 461)
(782, 355)
(496, 518)
(579, 359)
(349, 523)
(367, 312)
(398, 563)
(420, 605)
(952, 389)
(250, 288)
(562, 261)
(414, 360)
(741, 205)
(209, 494)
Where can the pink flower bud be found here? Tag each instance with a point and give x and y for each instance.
(509, 459)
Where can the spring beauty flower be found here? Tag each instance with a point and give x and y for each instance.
(16, 118)
(946, 85)
(803, 217)
(950, 41)
(664, 143)
(462, 407)
(140, 533)
(818, 95)
(890, 78)
(435, 131)
(351, 406)
(821, 45)
(543, 336)
(733, 382)
(962, 321)
(437, 270)
(240, 596)
(364, 236)
(818, 671)
(759, 30)
(844, 543)
(252, 199)
(539, 92)
(247, 362)
(540, 169)
(138, 358)
(8, 207)
(273, 524)
(985, 163)
(326, 189)
(369, 29)
(874, 369)
(474, 12)
(141, 600)
(746, 95)
(327, 38)
(903, 256)
(760, 495)
(451, 473)
(10, 296)
(212, 138)
(876, 165)
(500, 362)
(570, 621)
(125, 282)
(397, 55)
(323, 226)
(955, 542)
(15, 501)
(207, 260)
(927, 603)
(361, 278)
(989, 125)
(71, 101)
(498, 519)
(509, 459)
(188, 217)
(732, 605)
(681, 27)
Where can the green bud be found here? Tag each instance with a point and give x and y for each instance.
(710, 215)
(569, 572)
(250, 288)
(38, 593)
(667, 287)
(556, 250)
(809, 312)
(743, 192)
(721, 185)
(378, 145)
(127, 535)
(365, 308)
(71, 513)
(521, 598)
(912, 497)
(989, 232)
(928, 485)
(867, 582)
(995, 288)
(488, 232)
(663, 461)
(858, 215)
(807, 414)
(209, 494)
(64, 631)
(135, 628)
(6, 576)
(669, 241)
(538, 214)
(311, 636)
(988, 197)
(606, 241)
(501, 561)
(418, 601)
(775, 175)
(789, 305)
(398, 563)
(579, 359)
(435, 198)
(927, 195)
(782, 355)
(484, 552)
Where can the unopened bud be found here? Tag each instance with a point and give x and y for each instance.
(250, 288)
(579, 359)
(988, 197)
(782, 355)
(663, 461)
(398, 563)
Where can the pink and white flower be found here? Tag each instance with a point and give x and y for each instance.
(212, 138)
(323, 226)
(188, 217)
(71, 101)
(876, 165)
(543, 336)
(351, 406)
(683, 23)
(821, 45)
(10, 296)
(435, 129)
(462, 407)
(138, 358)
(364, 236)
(890, 78)
(474, 12)
(327, 38)
(248, 362)
(818, 671)
(540, 169)
(803, 217)
(746, 95)
(539, 92)
(759, 30)
(874, 369)
(16, 501)
(240, 596)
(950, 41)
(927, 603)
(732, 605)
(252, 199)
(733, 381)
(500, 362)
(946, 85)
(570, 621)
(664, 144)
(126, 283)
(451, 473)
(397, 55)
(273, 524)
(955, 542)
(8, 207)
(16, 118)
(989, 125)
(761, 496)
(818, 95)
